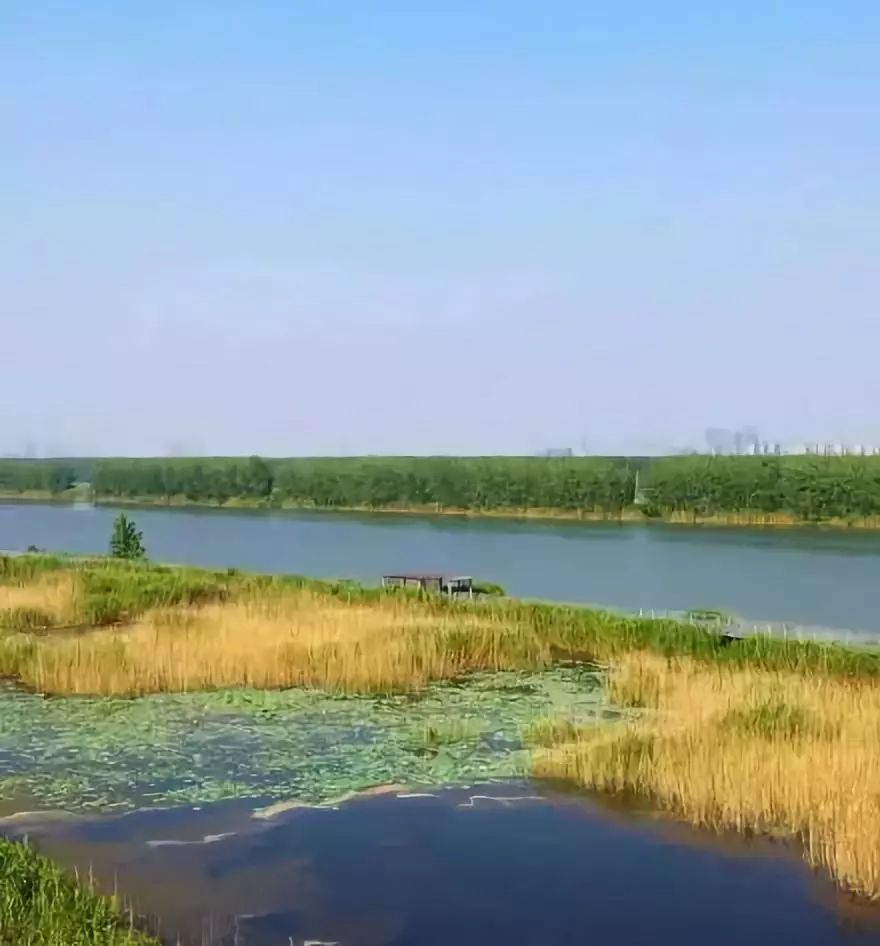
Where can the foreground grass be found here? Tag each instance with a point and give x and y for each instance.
(40, 905)
(740, 747)
(141, 628)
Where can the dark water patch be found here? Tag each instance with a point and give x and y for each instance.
(460, 868)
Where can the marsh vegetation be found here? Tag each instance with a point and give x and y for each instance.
(109, 627)
(761, 735)
(744, 747)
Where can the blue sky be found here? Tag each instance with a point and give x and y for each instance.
(297, 228)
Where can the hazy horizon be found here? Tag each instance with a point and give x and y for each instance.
(293, 230)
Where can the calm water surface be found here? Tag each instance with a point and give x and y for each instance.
(457, 868)
(827, 578)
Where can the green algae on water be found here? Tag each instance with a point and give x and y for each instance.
(82, 753)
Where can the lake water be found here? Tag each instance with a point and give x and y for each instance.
(491, 865)
(827, 578)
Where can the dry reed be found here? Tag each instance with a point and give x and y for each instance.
(734, 747)
(294, 638)
(55, 595)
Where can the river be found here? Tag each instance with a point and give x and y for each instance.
(812, 577)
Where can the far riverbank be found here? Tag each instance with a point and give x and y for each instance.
(629, 514)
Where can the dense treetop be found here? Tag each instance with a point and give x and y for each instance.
(808, 488)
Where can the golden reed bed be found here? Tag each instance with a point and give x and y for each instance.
(295, 638)
(752, 750)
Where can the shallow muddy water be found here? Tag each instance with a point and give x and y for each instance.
(490, 864)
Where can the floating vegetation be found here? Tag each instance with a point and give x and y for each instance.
(83, 753)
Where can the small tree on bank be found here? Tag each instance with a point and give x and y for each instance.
(126, 541)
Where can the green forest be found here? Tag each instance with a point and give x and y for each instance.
(460, 483)
(23, 476)
(806, 488)
(809, 488)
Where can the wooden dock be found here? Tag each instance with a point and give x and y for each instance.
(453, 586)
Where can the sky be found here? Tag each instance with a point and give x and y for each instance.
(442, 227)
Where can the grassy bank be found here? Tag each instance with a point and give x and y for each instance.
(108, 627)
(628, 514)
(741, 747)
(41, 905)
(642, 514)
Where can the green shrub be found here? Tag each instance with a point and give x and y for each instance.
(121, 591)
(489, 588)
(127, 541)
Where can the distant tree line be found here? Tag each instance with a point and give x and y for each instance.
(210, 479)
(463, 483)
(809, 488)
(22, 476)
(805, 487)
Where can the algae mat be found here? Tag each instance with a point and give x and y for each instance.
(84, 754)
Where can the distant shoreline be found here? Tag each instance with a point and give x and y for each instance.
(630, 514)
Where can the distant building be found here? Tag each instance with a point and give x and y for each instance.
(723, 442)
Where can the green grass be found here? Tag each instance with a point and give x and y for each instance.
(41, 905)
(117, 590)
(776, 719)
(16, 569)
